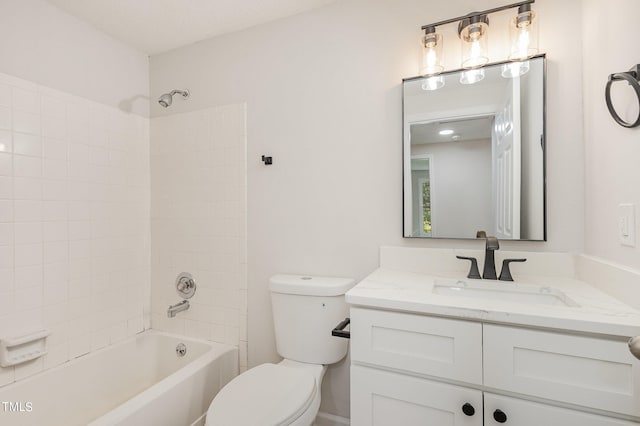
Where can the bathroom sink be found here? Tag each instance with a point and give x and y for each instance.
(508, 292)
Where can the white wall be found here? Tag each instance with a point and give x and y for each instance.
(198, 225)
(45, 45)
(462, 202)
(612, 175)
(323, 94)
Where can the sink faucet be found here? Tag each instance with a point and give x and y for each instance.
(489, 271)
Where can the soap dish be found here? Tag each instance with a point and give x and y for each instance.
(16, 350)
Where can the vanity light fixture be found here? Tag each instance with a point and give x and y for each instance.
(473, 30)
(432, 59)
(524, 34)
(473, 33)
(431, 52)
(445, 132)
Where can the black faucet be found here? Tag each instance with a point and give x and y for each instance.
(489, 270)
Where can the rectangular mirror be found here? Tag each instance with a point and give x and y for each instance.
(473, 153)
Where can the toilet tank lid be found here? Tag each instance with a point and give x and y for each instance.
(310, 285)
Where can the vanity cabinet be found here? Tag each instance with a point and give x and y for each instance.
(414, 369)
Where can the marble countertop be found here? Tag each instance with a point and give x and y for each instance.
(403, 291)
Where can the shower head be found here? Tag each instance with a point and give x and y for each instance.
(165, 99)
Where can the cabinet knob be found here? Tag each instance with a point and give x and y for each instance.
(468, 409)
(499, 416)
(634, 346)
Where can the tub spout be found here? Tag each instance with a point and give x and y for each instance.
(178, 307)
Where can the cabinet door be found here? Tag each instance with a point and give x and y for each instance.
(590, 371)
(517, 412)
(418, 344)
(382, 398)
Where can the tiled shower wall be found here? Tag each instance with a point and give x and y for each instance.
(74, 222)
(198, 222)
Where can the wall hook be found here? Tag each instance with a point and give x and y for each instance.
(267, 160)
(632, 77)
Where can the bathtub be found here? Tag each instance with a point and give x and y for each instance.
(141, 381)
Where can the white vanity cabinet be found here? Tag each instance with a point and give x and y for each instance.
(410, 369)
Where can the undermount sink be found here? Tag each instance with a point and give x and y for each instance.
(508, 292)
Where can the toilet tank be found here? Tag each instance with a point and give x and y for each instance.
(305, 310)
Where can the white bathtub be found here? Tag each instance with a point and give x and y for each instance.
(139, 382)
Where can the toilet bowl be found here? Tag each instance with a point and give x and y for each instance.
(305, 309)
(281, 394)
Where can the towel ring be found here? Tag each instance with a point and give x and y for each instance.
(632, 77)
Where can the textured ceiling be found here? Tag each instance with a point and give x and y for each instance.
(155, 26)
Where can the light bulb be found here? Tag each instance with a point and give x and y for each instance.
(431, 53)
(473, 33)
(524, 34)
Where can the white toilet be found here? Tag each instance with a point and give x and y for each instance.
(305, 310)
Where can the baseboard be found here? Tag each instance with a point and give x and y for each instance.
(326, 419)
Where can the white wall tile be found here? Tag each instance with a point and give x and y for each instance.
(55, 190)
(53, 210)
(6, 211)
(64, 264)
(6, 187)
(26, 144)
(6, 164)
(26, 188)
(54, 149)
(5, 95)
(28, 233)
(26, 100)
(55, 231)
(27, 166)
(27, 211)
(52, 106)
(6, 141)
(27, 254)
(54, 169)
(6, 257)
(28, 298)
(26, 122)
(54, 127)
(29, 276)
(191, 208)
(6, 234)
(56, 252)
(5, 118)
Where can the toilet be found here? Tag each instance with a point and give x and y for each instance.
(305, 310)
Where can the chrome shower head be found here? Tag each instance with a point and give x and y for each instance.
(166, 99)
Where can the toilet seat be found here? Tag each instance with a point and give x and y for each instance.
(269, 394)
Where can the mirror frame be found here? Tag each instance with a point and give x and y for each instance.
(543, 142)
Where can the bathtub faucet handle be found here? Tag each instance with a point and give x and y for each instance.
(185, 285)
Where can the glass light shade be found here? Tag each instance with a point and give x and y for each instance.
(431, 54)
(471, 76)
(433, 83)
(515, 69)
(523, 32)
(474, 35)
